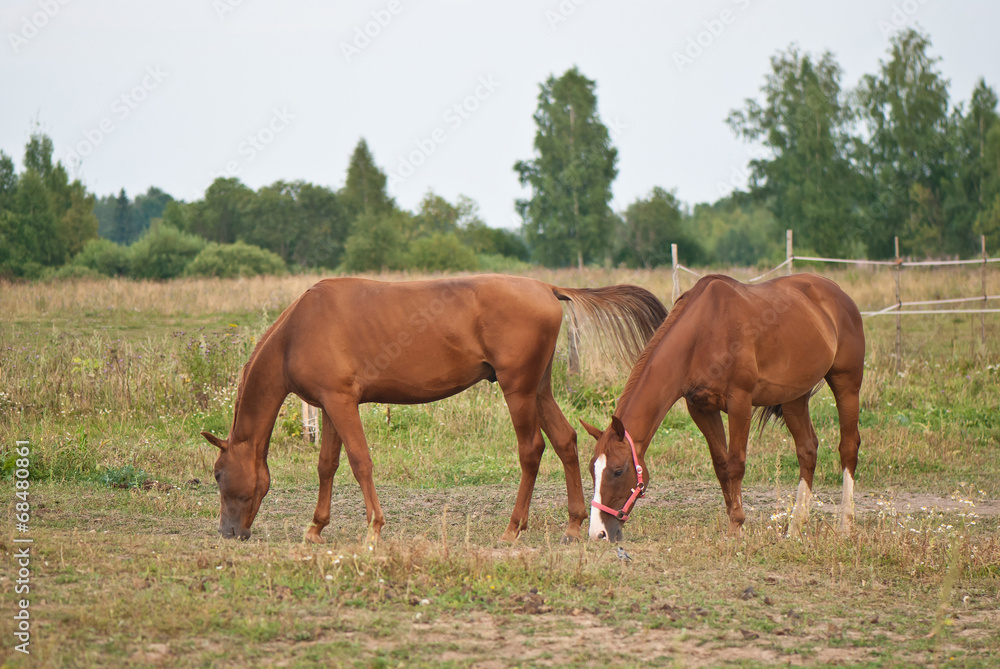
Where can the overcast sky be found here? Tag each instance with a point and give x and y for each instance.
(174, 93)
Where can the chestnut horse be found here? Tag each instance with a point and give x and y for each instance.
(349, 341)
(728, 346)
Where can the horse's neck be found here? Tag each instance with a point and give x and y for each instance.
(261, 394)
(661, 383)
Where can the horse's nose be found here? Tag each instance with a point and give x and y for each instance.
(602, 535)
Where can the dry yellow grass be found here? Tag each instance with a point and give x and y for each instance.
(871, 288)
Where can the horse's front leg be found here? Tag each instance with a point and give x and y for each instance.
(739, 409)
(329, 460)
(709, 421)
(347, 422)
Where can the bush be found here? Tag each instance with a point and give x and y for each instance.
(441, 252)
(493, 263)
(376, 243)
(103, 256)
(122, 477)
(72, 271)
(232, 260)
(163, 253)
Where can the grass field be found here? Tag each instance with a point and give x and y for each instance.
(111, 382)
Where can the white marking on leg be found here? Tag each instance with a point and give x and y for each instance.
(596, 524)
(847, 502)
(800, 512)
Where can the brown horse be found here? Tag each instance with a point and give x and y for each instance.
(349, 341)
(728, 346)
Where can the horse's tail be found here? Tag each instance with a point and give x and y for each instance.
(627, 315)
(763, 415)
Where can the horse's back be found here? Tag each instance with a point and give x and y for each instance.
(416, 341)
(798, 329)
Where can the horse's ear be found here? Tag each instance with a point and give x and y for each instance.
(618, 427)
(591, 430)
(215, 441)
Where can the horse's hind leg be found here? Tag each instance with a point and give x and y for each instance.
(563, 438)
(796, 415)
(530, 445)
(329, 460)
(846, 390)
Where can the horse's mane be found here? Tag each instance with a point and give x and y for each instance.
(661, 332)
(247, 368)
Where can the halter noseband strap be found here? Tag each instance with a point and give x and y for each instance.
(638, 491)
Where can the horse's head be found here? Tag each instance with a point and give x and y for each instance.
(243, 481)
(616, 469)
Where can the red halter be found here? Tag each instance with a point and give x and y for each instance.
(638, 491)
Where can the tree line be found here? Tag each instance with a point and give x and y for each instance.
(847, 169)
(50, 227)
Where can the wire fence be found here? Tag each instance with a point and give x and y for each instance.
(897, 309)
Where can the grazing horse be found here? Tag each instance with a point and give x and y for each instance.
(728, 346)
(349, 341)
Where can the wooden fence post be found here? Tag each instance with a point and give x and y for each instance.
(676, 292)
(310, 423)
(788, 251)
(982, 316)
(899, 305)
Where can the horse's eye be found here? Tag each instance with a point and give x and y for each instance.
(217, 475)
(619, 472)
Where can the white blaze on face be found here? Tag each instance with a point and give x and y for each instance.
(596, 524)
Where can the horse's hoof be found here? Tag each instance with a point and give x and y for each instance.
(509, 537)
(569, 539)
(312, 536)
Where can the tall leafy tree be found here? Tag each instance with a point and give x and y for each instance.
(8, 180)
(908, 147)
(804, 122)
(123, 223)
(149, 206)
(325, 227)
(220, 216)
(378, 242)
(303, 223)
(981, 121)
(436, 214)
(78, 224)
(650, 226)
(988, 218)
(568, 218)
(44, 219)
(365, 189)
(38, 154)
